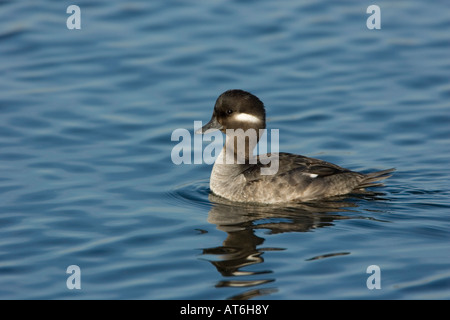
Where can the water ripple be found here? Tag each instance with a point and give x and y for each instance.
(86, 178)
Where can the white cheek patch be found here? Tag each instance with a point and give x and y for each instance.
(245, 117)
(313, 175)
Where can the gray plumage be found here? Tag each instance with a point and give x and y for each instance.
(298, 178)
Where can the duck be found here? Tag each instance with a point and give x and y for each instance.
(238, 175)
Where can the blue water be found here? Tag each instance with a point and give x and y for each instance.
(86, 176)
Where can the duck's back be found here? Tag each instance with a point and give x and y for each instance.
(298, 178)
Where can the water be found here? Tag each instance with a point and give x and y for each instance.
(86, 176)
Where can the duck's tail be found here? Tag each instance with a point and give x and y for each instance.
(373, 179)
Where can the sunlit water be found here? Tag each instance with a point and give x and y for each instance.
(86, 176)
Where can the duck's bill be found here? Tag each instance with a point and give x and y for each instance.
(212, 125)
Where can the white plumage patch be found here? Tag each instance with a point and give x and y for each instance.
(313, 175)
(245, 117)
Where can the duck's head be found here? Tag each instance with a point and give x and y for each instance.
(237, 109)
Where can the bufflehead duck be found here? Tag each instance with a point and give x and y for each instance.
(297, 178)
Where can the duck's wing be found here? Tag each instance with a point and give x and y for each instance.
(288, 163)
(303, 178)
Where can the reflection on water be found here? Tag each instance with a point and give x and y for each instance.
(243, 248)
(86, 176)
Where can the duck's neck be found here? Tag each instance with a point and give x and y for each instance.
(239, 147)
(234, 158)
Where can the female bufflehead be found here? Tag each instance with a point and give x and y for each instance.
(237, 175)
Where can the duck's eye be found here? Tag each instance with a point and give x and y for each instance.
(229, 111)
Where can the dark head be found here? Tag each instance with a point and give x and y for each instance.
(237, 109)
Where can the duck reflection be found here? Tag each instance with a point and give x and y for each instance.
(242, 247)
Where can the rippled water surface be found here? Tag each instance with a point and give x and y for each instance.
(86, 176)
